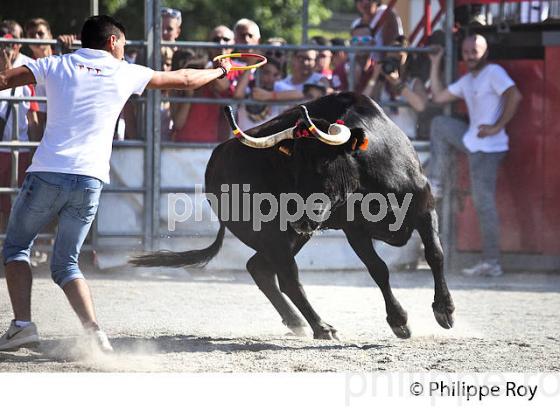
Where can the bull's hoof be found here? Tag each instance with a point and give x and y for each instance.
(402, 331)
(326, 333)
(444, 315)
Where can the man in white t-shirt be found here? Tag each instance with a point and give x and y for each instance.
(492, 100)
(86, 90)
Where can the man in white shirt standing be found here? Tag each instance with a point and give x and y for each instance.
(86, 91)
(492, 100)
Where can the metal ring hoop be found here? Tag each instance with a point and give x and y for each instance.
(243, 55)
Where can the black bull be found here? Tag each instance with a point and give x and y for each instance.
(385, 163)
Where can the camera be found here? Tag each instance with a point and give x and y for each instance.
(390, 65)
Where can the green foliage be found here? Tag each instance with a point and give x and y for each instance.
(275, 17)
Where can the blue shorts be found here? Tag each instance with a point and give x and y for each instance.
(45, 195)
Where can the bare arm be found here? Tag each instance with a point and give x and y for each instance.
(180, 112)
(34, 131)
(417, 97)
(186, 78)
(242, 84)
(16, 77)
(512, 98)
(264, 95)
(440, 94)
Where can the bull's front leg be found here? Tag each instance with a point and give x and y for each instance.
(362, 244)
(290, 285)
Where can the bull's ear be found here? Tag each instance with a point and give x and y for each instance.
(358, 140)
(286, 147)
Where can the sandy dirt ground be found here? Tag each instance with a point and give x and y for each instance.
(178, 321)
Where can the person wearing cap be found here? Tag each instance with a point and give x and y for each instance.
(87, 90)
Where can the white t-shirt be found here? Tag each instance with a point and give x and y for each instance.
(87, 90)
(483, 96)
(287, 84)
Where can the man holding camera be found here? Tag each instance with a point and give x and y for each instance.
(492, 100)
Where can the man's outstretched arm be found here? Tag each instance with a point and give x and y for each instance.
(188, 78)
(16, 77)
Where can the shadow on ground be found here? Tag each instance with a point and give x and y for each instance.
(75, 350)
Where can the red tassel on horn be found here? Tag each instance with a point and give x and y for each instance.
(363, 146)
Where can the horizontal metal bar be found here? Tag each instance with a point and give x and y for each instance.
(31, 144)
(190, 145)
(18, 144)
(19, 99)
(208, 100)
(206, 44)
(179, 190)
(295, 47)
(40, 236)
(108, 189)
(229, 101)
(55, 42)
(120, 235)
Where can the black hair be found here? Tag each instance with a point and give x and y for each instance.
(97, 30)
(320, 41)
(274, 62)
(337, 41)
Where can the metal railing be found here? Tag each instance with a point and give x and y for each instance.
(151, 144)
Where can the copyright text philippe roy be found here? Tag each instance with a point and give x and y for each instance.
(461, 388)
(473, 391)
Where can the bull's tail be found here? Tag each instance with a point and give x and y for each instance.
(198, 257)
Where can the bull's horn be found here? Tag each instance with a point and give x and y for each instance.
(264, 142)
(338, 134)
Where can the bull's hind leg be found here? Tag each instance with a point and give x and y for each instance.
(288, 277)
(443, 304)
(363, 246)
(265, 278)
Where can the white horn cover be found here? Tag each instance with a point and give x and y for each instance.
(338, 134)
(264, 142)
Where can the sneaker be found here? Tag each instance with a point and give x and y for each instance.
(100, 340)
(484, 268)
(18, 337)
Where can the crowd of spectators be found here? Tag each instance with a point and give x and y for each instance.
(289, 77)
(410, 83)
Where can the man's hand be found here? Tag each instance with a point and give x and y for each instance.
(393, 79)
(261, 94)
(67, 40)
(5, 59)
(487, 130)
(225, 64)
(436, 56)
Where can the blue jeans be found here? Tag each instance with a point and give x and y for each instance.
(446, 135)
(45, 195)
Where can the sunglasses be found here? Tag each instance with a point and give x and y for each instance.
(361, 39)
(166, 11)
(218, 39)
